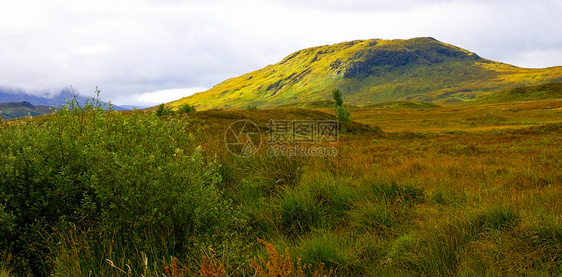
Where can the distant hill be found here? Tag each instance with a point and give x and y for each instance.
(9, 95)
(131, 107)
(370, 72)
(13, 110)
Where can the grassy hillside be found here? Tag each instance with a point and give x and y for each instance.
(13, 110)
(370, 72)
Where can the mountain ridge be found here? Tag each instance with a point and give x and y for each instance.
(12, 110)
(8, 95)
(370, 72)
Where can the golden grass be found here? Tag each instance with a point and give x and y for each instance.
(466, 190)
(465, 118)
(465, 171)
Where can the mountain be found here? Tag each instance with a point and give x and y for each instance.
(13, 110)
(9, 95)
(370, 72)
(131, 107)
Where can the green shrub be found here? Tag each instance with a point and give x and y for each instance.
(136, 183)
(186, 108)
(162, 110)
(7, 228)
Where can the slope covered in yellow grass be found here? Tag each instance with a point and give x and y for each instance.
(370, 72)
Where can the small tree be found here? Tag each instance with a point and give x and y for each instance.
(341, 113)
(163, 110)
(186, 108)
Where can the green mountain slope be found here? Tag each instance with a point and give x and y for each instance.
(370, 72)
(13, 110)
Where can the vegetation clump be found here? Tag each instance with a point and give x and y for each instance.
(162, 110)
(341, 113)
(186, 108)
(89, 185)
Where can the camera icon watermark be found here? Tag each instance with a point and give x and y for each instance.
(288, 138)
(243, 138)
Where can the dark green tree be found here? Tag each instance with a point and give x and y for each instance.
(341, 113)
(186, 108)
(163, 110)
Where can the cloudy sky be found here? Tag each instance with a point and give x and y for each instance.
(145, 52)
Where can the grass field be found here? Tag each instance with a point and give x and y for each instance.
(471, 190)
(466, 118)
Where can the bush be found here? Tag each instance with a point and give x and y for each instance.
(163, 110)
(186, 108)
(137, 183)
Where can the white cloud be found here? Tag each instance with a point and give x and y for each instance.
(163, 96)
(93, 49)
(536, 58)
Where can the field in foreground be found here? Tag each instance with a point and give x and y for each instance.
(463, 191)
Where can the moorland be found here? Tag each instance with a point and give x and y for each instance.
(448, 165)
(457, 190)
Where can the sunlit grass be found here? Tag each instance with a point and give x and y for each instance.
(372, 72)
(433, 195)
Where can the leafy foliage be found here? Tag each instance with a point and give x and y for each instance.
(186, 108)
(162, 110)
(336, 94)
(136, 181)
(341, 113)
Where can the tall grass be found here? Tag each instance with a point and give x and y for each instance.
(93, 193)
